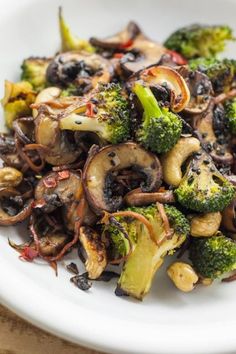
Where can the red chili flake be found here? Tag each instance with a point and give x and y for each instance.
(65, 174)
(177, 58)
(39, 203)
(90, 109)
(126, 44)
(150, 72)
(118, 55)
(50, 182)
(28, 254)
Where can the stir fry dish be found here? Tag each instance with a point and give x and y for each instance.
(124, 149)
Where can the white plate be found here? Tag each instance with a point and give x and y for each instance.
(167, 321)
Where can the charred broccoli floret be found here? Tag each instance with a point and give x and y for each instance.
(221, 72)
(203, 188)
(146, 255)
(68, 40)
(17, 100)
(160, 129)
(230, 114)
(106, 114)
(213, 256)
(34, 71)
(199, 40)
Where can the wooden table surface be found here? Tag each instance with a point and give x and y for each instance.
(20, 337)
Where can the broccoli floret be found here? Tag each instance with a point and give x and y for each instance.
(230, 114)
(69, 41)
(199, 40)
(147, 256)
(107, 114)
(203, 188)
(34, 71)
(213, 256)
(71, 90)
(17, 100)
(220, 72)
(160, 129)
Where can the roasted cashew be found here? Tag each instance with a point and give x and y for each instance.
(10, 177)
(183, 276)
(46, 95)
(205, 225)
(173, 159)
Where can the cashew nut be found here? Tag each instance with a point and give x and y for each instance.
(205, 225)
(183, 276)
(205, 281)
(48, 94)
(173, 159)
(10, 177)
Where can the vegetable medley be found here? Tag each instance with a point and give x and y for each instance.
(125, 149)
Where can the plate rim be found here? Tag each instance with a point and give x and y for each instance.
(136, 341)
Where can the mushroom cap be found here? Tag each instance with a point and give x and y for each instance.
(113, 158)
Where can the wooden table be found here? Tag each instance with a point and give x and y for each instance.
(20, 337)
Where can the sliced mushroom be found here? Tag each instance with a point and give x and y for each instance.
(24, 129)
(49, 237)
(13, 209)
(71, 216)
(138, 198)
(229, 217)
(54, 191)
(120, 39)
(8, 151)
(48, 94)
(60, 149)
(102, 164)
(149, 53)
(163, 75)
(200, 90)
(65, 184)
(83, 69)
(139, 51)
(52, 244)
(219, 150)
(96, 252)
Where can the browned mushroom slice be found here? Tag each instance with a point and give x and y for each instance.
(158, 75)
(24, 129)
(138, 198)
(200, 90)
(47, 133)
(139, 51)
(8, 151)
(70, 215)
(102, 164)
(120, 39)
(13, 209)
(150, 53)
(52, 244)
(59, 188)
(219, 150)
(229, 217)
(95, 250)
(83, 69)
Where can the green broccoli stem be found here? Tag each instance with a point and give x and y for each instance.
(81, 123)
(148, 101)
